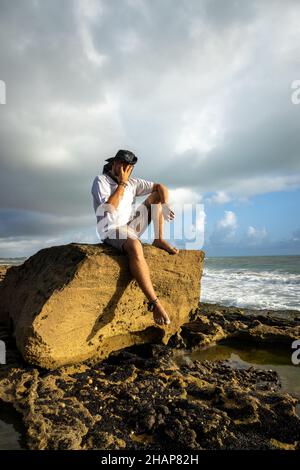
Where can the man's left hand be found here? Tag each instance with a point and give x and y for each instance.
(168, 213)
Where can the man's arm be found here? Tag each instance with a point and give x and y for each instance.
(115, 198)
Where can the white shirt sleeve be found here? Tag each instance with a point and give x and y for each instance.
(100, 191)
(143, 187)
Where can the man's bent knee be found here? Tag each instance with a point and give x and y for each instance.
(153, 198)
(133, 246)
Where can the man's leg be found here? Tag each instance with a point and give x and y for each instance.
(154, 207)
(140, 271)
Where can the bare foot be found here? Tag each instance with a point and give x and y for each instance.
(164, 245)
(160, 315)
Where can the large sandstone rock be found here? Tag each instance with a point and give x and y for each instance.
(75, 302)
(3, 270)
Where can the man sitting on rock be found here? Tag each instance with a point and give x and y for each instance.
(113, 195)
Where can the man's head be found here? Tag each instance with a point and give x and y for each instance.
(118, 164)
(123, 158)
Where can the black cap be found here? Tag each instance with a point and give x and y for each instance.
(124, 155)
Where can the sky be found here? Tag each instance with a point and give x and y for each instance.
(200, 90)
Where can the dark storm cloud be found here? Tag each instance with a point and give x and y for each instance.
(200, 90)
(15, 222)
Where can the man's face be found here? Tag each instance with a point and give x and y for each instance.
(116, 168)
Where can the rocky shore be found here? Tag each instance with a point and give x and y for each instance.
(141, 398)
(211, 323)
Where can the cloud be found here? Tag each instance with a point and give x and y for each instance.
(25, 232)
(228, 232)
(19, 246)
(195, 88)
(290, 245)
(296, 236)
(255, 235)
(229, 222)
(181, 196)
(225, 229)
(16, 223)
(220, 197)
(228, 239)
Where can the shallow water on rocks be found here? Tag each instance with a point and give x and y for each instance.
(11, 429)
(244, 356)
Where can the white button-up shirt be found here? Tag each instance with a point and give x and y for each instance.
(102, 188)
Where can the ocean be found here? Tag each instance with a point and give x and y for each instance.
(11, 261)
(256, 282)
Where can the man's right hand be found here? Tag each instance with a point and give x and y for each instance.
(124, 173)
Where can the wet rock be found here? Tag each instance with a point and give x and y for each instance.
(209, 324)
(3, 271)
(167, 406)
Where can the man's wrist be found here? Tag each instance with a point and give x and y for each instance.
(122, 183)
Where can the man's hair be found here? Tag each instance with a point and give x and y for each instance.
(107, 167)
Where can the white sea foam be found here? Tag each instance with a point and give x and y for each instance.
(251, 288)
